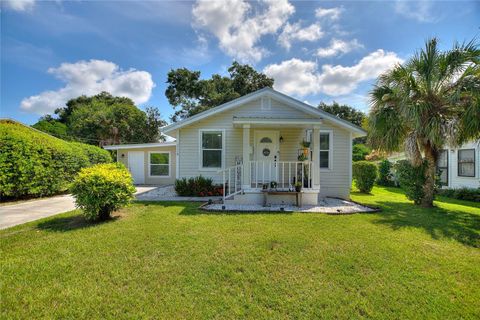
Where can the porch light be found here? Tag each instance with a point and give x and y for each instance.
(281, 139)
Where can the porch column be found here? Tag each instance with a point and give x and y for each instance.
(246, 184)
(316, 158)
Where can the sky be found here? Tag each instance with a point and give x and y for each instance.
(52, 51)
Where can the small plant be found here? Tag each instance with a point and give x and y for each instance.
(298, 186)
(197, 187)
(385, 177)
(265, 186)
(302, 157)
(411, 179)
(364, 174)
(102, 189)
(305, 144)
(273, 184)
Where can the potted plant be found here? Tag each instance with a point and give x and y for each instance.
(273, 184)
(265, 186)
(306, 145)
(298, 186)
(302, 157)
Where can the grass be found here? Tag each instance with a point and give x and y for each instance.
(159, 260)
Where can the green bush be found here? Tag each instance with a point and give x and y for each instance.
(359, 152)
(35, 164)
(411, 179)
(102, 189)
(469, 194)
(385, 177)
(364, 174)
(197, 187)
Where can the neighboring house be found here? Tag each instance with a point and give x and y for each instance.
(249, 142)
(457, 167)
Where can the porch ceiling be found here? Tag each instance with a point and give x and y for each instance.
(275, 122)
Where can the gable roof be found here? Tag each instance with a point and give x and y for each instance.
(268, 92)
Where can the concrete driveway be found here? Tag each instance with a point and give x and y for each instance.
(26, 211)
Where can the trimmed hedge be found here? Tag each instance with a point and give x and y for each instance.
(469, 194)
(35, 164)
(411, 179)
(102, 189)
(385, 176)
(364, 174)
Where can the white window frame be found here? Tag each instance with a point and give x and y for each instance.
(200, 149)
(330, 150)
(169, 165)
(474, 163)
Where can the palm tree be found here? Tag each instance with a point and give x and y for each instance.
(430, 101)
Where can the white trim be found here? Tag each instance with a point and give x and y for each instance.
(177, 156)
(330, 150)
(350, 151)
(272, 94)
(140, 145)
(169, 165)
(257, 133)
(200, 150)
(279, 121)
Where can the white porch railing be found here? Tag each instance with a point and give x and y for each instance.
(232, 180)
(285, 173)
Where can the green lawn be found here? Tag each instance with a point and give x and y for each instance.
(174, 261)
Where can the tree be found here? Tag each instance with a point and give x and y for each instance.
(190, 95)
(52, 126)
(344, 112)
(105, 119)
(433, 99)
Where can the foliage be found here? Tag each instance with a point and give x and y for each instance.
(411, 179)
(35, 164)
(359, 152)
(344, 112)
(104, 119)
(431, 100)
(364, 174)
(102, 189)
(53, 127)
(469, 194)
(385, 177)
(192, 95)
(197, 187)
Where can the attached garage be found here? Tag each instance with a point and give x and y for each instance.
(149, 163)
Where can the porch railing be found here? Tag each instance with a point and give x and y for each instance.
(232, 180)
(284, 173)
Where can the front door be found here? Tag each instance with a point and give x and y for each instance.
(267, 155)
(136, 165)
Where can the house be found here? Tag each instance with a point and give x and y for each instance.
(456, 167)
(247, 143)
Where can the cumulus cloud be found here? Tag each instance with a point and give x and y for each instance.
(89, 78)
(238, 28)
(294, 32)
(19, 5)
(329, 13)
(302, 78)
(416, 10)
(338, 47)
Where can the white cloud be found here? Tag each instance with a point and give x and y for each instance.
(302, 78)
(338, 47)
(294, 32)
(329, 13)
(19, 5)
(238, 28)
(89, 78)
(417, 10)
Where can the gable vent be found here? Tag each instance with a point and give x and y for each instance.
(266, 103)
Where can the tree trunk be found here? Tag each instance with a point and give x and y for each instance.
(429, 187)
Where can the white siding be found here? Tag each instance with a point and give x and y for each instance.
(454, 181)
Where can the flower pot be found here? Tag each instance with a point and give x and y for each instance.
(305, 152)
(298, 188)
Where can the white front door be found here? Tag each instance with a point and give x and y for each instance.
(267, 154)
(136, 165)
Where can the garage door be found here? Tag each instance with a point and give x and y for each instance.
(136, 165)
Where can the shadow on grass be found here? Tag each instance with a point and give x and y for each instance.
(64, 224)
(459, 225)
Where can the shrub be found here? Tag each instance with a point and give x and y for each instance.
(197, 187)
(102, 189)
(364, 174)
(359, 152)
(33, 163)
(411, 179)
(469, 194)
(385, 177)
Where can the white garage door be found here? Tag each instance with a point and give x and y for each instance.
(136, 163)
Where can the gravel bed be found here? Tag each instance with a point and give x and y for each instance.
(327, 205)
(167, 193)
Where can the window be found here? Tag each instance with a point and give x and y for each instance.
(211, 149)
(265, 140)
(466, 163)
(325, 149)
(159, 163)
(442, 167)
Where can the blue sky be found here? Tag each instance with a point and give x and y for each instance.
(316, 51)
